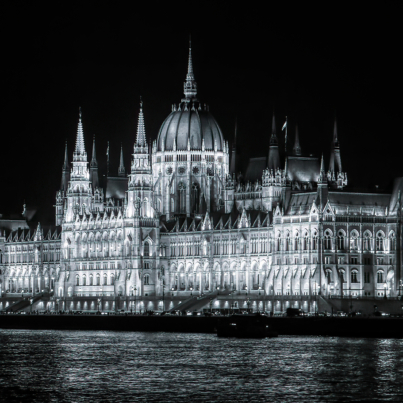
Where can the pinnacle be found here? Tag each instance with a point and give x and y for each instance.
(141, 131)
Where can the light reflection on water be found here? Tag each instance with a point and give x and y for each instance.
(62, 366)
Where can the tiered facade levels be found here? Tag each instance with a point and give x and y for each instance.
(186, 225)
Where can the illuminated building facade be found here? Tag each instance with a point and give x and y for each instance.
(183, 230)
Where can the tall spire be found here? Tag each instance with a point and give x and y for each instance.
(233, 167)
(335, 139)
(297, 148)
(190, 86)
(65, 171)
(79, 152)
(121, 171)
(94, 162)
(274, 156)
(94, 167)
(335, 157)
(273, 138)
(141, 131)
(66, 158)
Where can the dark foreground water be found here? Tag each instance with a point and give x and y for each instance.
(73, 366)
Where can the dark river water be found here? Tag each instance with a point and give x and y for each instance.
(72, 366)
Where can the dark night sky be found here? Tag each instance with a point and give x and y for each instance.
(307, 63)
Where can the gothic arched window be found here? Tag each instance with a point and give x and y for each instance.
(195, 197)
(146, 279)
(182, 197)
(379, 277)
(328, 240)
(341, 240)
(146, 248)
(380, 241)
(367, 241)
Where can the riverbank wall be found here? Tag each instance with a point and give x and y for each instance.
(316, 326)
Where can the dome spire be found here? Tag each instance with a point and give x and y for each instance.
(190, 86)
(141, 131)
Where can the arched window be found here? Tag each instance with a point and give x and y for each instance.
(105, 279)
(146, 279)
(182, 197)
(328, 240)
(354, 240)
(84, 280)
(91, 279)
(306, 241)
(354, 276)
(341, 241)
(342, 276)
(379, 241)
(98, 279)
(195, 197)
(288, 242)
(77, 280)
(329, 276)
(392, 242)
(367, 241)
(315, 241)
(379, 277)
(146, 248)
(112, 279)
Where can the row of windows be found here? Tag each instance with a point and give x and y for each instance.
(97, 280)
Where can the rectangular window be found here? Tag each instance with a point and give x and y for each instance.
(366, 277)
(354, 260)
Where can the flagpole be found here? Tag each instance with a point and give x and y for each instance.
(286, 133)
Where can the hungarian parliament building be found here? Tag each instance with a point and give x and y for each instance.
(183, 230)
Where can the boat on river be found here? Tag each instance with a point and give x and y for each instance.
(245, 326)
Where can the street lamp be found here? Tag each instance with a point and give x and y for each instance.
(316, 300)
(218, 290)
(191, 292)
(163, 297)
(99, 302)
(135, 300)
(31, 301)
(248, 303)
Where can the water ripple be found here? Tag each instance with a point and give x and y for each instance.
(61, 366)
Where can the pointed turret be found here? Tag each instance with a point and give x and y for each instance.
(141, 131)
(190, 86)
(79, 152)
(297, 148)
(335, 157)
(94, 178)
(122, 170)
(274, 156)
(65, 171)
(233, 165)
(322, 174)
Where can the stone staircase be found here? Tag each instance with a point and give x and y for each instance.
(198, 302)
(23, 303)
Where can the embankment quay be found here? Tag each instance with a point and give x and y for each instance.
(367, 327)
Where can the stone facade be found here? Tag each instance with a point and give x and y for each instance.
(182, 224)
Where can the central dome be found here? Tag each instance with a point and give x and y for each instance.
(190, 123)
